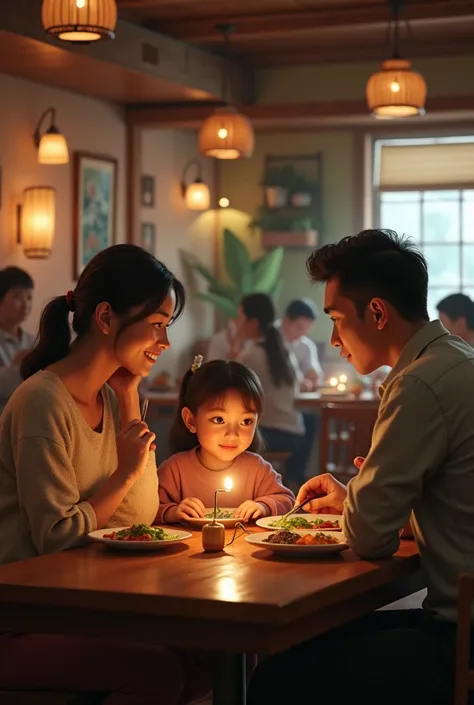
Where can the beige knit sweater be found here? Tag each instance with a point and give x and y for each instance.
(51, 462)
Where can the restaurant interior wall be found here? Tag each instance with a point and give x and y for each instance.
(89, 125)
(164, 155)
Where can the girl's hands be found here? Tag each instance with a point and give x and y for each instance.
(251, 510)
(134, 443)
(189, 508)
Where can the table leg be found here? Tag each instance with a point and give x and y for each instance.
(229, 679)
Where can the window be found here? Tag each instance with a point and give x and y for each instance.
(425, 188)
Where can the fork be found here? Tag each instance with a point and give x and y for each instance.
(295, 509)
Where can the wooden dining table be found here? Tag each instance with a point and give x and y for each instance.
(241, 600)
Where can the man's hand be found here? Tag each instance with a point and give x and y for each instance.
(328, 493)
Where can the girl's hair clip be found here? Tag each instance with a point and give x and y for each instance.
(197, 362)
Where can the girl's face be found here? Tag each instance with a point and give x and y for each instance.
(140, 344)
(225, 428)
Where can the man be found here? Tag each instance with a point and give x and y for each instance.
(16, 295)
(456, 313)
(299, 316)
(421, 463)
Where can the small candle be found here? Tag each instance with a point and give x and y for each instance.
(213, 534)
(228, 484)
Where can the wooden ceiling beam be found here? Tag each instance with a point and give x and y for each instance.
(284, 23)
(328, 114)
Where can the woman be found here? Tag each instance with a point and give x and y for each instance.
(283, 427)
(75, 457)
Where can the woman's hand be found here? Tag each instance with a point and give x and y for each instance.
(329, 495)
(250, 510)
(134, 443)
(123, 382)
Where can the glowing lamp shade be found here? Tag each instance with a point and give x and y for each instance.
(197, 196)
(53, 148)
(226, 134)
(38, 215)
(396, 91)
(80, 20)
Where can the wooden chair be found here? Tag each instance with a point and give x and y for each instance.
(46, 697)
(464, 673)
(346, 431)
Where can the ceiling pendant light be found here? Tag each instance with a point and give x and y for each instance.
(396, 91)
(80, 21)
(226, 134)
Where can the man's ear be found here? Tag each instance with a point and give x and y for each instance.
(379, 312)
(188, 418)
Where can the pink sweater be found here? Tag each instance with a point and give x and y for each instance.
(183, 476)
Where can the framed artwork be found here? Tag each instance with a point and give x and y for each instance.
(148, 191)
(148, 237)
(95, 202)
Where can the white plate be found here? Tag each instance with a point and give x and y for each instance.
(267, 522)
(228, 523)
(178, 536)
(291, 549)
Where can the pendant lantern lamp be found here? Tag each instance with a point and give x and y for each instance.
(80, 21)
(226, 133)
(396, 91)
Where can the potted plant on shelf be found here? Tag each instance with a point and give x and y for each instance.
(246, 276)
(302, 192)
(278, 184)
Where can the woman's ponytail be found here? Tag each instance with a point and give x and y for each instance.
(278, 357)
(54, 338)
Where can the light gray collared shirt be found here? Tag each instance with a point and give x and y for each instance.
(10, 377)
(421, 464)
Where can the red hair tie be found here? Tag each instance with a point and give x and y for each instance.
(70, 300)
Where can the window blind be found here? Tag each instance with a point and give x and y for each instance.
(422, 166)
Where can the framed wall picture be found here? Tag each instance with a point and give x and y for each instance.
(148, 191)
(148, 237)
(95, 202)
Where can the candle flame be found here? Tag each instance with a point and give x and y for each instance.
(343, 379)
(333, 381)
(228, 484)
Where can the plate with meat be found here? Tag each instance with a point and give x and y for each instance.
(139, 537)
(299, 543)
(312, 522)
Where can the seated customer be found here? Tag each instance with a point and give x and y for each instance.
(456, 313)
(299, 316)
(420, 464)
(16, 295)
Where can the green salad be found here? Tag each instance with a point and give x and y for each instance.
(140, 532)
(302, 523)
(220, 514)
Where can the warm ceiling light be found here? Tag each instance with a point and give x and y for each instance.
(224, 202)
(37, 221)
(226, 134)
(197, 196)
(80, 21)
(396, 91)
(52, 146)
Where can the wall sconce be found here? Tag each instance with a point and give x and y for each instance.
(52, 146)
(196, 195)
(36, 221)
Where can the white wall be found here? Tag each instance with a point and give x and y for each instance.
(89, 125)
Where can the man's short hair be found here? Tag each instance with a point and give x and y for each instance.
(376, 264)
(458, 306)
(301, 308)
(14, 278)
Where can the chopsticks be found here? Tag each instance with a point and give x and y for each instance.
(295, 509)
(145, 408)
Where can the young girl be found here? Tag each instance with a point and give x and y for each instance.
(74, 457)
(214, 435)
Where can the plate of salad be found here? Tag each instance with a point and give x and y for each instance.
(224, 516)
(139, 537)
(312, 522)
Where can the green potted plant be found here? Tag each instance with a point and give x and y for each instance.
(277, 183)
(246, 276)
